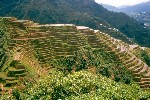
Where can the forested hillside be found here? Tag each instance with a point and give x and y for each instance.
(79, 12)
(141, 12)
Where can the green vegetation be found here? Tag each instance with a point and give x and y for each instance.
(96, 59)
(146, 57)
(143, 54)
(65, 62)
(79, 85)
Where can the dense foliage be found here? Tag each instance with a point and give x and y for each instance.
(143, 55)
(83, 12)
(79, 85)
(146, 57)
(98, 60)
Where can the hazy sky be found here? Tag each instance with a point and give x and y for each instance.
(120, 2)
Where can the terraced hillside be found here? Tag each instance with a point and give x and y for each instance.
(31, 50)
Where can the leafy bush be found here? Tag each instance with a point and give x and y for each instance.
(81, 85)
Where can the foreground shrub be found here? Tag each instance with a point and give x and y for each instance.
(82, 86)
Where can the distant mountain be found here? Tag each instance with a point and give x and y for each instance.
(140, 12)
(142, 7)
(109, 7)
(124, 6)
(79, 12)
(142, 17)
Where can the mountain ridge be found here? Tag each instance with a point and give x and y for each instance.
(142, 7)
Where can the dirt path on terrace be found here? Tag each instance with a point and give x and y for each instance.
(25, 39)
(17, 56)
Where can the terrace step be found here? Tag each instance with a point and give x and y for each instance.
(148, 74)
(8, 78)
(138, 69)
(20, 75)
(146, 82)
(145, 68)
(145, 79)
(11, 82)
(145, 86)
(140, 83)
(11, 69)
(137, 79)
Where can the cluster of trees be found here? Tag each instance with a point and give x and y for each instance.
(146, 57)
(99, 60)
